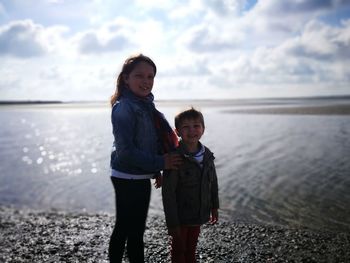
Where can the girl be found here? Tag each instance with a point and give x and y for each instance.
(142, 138)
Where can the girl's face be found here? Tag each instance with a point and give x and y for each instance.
(140, 80)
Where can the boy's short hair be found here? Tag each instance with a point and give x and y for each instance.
(189, 114)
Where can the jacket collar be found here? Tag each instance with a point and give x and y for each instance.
(184, 152)
(127, 93)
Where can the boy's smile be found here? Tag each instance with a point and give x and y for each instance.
(191, 131)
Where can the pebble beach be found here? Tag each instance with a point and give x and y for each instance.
(55, 236)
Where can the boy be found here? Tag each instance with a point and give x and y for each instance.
(190, 194)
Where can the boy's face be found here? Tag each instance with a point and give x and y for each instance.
(190, 131)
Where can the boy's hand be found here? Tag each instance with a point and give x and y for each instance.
(214, 216)
(158, 181)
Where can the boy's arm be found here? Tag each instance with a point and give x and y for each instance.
(170, 181)
(214, 214)
(215, 190)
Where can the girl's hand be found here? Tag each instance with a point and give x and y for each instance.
(158, 181)
(214, 216)
(172, 161)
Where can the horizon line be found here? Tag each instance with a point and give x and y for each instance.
(37, 101)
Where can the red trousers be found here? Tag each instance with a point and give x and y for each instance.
(183, 248)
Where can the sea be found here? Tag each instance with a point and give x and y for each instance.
(279, 161)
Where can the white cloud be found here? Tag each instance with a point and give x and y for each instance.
(22, 39)
(122, 35)
(225, 7)
(322, 44)
(288, 8)
(26, 39)
(90, 42)
(210, 38)
(321, 62)
(157, 4)
(282, 18)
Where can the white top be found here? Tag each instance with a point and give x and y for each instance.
(198, 156)
(122, 175)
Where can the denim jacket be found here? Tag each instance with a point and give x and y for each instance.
(136, 144)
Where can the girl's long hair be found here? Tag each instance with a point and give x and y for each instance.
(129, 66)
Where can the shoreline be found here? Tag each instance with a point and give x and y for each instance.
(54, 236)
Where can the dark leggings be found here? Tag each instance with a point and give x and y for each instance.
(132, 202)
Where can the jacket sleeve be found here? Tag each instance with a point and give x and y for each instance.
(215, 190)
(123, 127)
(169, 186)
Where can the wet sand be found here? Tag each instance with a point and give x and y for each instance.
(34, 236)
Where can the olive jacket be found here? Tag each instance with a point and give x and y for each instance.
(190, 192)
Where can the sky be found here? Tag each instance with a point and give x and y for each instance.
(73, 50)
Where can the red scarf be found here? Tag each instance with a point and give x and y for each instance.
(166, 134)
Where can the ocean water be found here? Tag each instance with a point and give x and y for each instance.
(285, 169)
